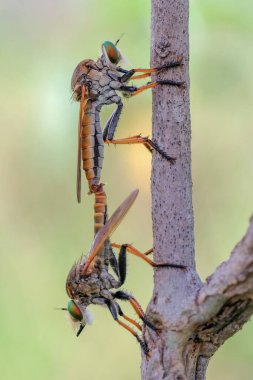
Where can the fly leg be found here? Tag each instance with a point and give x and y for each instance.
(148, 143)
(112, 123)
(113, 262)
(151, 250)
(129, 248)
(113, 309)
(120, 266)
(132, 91)
(130, 320)
(136, 306)
(147, 72)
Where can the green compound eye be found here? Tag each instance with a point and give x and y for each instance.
(112, 52)
(74, 310)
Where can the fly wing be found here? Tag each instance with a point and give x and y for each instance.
(79, 154)
(83, 103)
(106, 231)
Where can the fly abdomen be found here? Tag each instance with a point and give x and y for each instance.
(93, 163)
(93, 141)
(91, 152)
(92, 147)
(100, 208)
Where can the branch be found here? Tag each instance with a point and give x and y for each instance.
(192, 319)
(224, 302)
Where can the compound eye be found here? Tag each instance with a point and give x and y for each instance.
(112, 52)
(74, 311)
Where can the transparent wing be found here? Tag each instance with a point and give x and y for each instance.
(106, 231)
(83, 103)
(79, 153)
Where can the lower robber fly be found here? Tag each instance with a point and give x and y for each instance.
(95, 84)
(89, 281)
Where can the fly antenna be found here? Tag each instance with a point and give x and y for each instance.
(61, 308)
(119, 39)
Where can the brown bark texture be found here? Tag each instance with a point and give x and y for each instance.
(194, 319)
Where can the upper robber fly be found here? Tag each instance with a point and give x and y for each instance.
(95, 84)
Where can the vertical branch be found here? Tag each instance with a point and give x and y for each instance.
(171, 185)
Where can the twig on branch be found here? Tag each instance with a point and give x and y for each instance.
(225, 301)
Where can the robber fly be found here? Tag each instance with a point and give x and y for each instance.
(95, 84)
(89, 281)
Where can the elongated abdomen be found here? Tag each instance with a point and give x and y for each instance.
(92, 146)
(100, 209)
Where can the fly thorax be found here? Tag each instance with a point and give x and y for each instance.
(89, 284)
(107, 280)
(98, 264)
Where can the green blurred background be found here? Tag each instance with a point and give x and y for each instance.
(43, 230)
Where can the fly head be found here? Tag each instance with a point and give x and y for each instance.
(111, 54)
(79, 315)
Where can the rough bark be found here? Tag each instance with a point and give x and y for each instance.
(194, 318)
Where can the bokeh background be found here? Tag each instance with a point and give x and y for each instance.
(43, 230)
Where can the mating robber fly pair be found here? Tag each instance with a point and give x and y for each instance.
(95, 84)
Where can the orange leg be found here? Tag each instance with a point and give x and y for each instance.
(148, 143)
(168, 65)
(154, 84)
(147, 72)
(149, 251)
(142, 88)
(144, 257)
(136, 306)
(140, 76)
(127, 327)
(134, 251)
(115, 309)
(137, 139)
(132, 321)
(128, 318)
